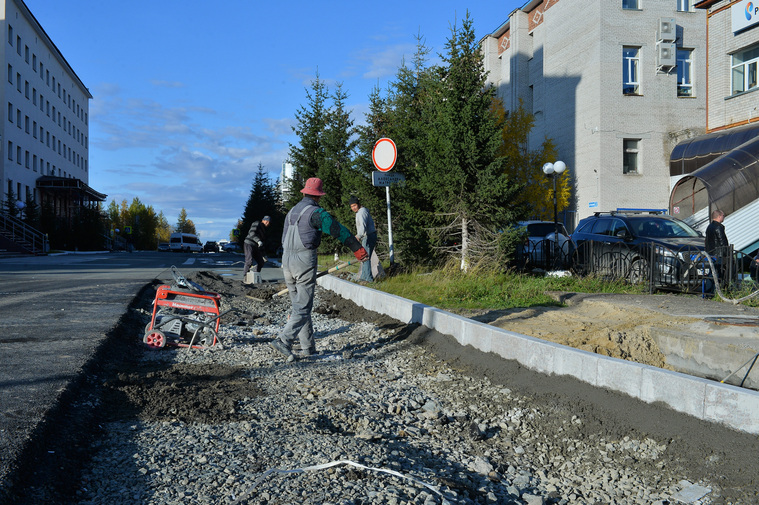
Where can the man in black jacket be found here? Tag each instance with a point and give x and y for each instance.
(254, 245)
(716, 243)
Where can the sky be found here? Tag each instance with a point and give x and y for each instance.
(190, 96)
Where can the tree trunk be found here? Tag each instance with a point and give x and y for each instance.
(464, 244)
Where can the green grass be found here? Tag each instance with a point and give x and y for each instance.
(448, 288)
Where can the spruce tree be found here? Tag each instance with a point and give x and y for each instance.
(465, 179)
(307, 156)
(404, 121)
(261, 202)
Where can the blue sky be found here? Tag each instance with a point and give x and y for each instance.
(190, 96)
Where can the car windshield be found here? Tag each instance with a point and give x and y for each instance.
(661, 228)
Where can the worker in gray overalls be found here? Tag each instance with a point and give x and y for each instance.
(304, 225)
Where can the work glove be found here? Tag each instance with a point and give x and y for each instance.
(361, 254)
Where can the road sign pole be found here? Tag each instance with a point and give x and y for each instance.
(389, 227)
(384, 155)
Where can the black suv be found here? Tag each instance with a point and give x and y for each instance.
(211, 246)
(641, 246)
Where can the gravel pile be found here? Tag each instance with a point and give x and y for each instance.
(374, 418)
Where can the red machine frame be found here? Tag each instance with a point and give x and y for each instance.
(199, 305)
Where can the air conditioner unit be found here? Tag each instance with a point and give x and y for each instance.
(667, 29)
(666, 54)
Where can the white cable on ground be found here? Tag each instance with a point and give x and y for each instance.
(734, 301)
(247, 494)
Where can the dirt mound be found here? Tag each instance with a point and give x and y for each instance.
(599, 327)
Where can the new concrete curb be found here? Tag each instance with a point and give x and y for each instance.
(711, 401)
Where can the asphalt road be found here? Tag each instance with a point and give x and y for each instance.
(55, 311)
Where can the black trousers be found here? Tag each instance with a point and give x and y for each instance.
(252, 252)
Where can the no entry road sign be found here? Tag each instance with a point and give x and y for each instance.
(384, 154)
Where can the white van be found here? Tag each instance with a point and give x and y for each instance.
(186, 242)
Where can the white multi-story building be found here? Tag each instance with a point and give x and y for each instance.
(614, 83)
(45, 129)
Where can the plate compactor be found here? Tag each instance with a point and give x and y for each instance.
(184, 315)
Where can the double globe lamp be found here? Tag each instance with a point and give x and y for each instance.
(554, 170)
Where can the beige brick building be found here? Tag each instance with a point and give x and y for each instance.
(615, 83)
(720, 170)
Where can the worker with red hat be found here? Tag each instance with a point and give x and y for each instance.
(304, 225)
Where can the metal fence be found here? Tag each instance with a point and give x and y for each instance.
(660, 268)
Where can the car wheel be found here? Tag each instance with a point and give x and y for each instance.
(639, 272)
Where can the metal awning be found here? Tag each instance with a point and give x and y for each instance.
(68, 184)
(692, 154)
(721, 171)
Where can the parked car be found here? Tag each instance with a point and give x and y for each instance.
(540, 249)
(210, 246)
(231, 247)
(164, 247)
(639, 246)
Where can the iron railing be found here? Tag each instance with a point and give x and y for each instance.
(661, 268)
(26, 237)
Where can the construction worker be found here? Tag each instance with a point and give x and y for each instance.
(366, 233)
(254, 245)
(304, 225)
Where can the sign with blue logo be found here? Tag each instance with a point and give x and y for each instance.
(744, 14)
(592, 204)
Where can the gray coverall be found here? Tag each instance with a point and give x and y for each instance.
(303, 228)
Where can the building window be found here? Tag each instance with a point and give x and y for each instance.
(34, 62)
(18, 155)
(10, 35)
(630, 62)
(10, 112)
(10, 151)
(18, 45)
(744, 70)
(10, 74)
(684, 72)
(631, 4)
(630, 156)
(685, 5)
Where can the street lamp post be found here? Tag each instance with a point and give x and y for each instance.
(554, 170)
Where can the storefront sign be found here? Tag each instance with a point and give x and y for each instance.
(745, 14)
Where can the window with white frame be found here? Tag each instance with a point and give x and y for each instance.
(685, 6)
(744, 70)
(685, 72)
(630, 72)
(631, 4)
(630, 149)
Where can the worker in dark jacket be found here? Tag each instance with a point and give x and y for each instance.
(717, 245)
(301, 237)
(254, 245)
